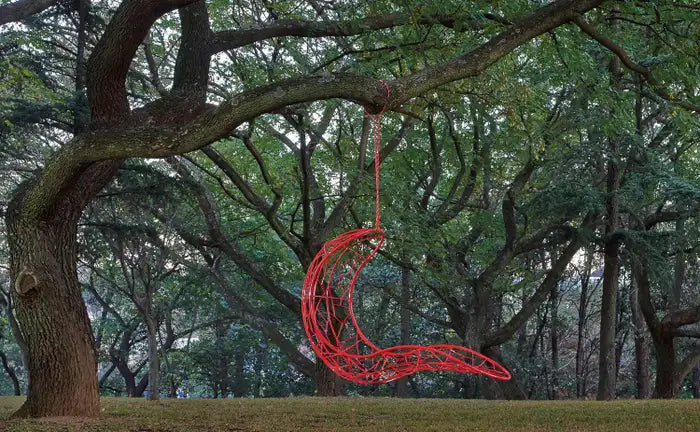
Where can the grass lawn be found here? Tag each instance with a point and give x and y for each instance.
(369, 414)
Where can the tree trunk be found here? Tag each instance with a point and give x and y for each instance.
(11, 373)
(666, 386)
(674, 296)
(240, 386)
(554, 341)
(17, 334)
(607, 357)
(53, 318)
(260, 367)
(153, 362)
(621, 328)
(493, 389)
(129, 378)
(696, 381)
(220, 331)
(666, 383)
(581, 328)
(402, 383)
(140, 388)
(327, 382)
(522, 332)
(641, 344)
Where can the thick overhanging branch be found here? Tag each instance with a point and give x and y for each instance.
(682, 317)
(110, 63)
(110, 60)
(668, 216)
(23, 9)
(689, 331)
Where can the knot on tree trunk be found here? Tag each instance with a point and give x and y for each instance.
(26, 282)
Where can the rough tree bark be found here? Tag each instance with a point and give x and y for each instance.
(22, 9)
(43, 248)
(607, 372)
(46, 293)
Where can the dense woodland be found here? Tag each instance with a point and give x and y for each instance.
(169, 168)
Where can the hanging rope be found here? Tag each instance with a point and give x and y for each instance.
(329, 320)
(377, 142)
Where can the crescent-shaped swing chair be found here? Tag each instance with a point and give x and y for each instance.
(329, 320)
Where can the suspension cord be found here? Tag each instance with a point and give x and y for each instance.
(377, 127)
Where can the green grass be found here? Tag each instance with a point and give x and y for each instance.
(370, 414)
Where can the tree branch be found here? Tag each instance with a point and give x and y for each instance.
(111, 58)
(232, 250)
(499, 336)
(193, 58)
(687, 365)
(629, 64)
(23, 9)
(259, 203)
(244, 311)
(668, 216)
(349, 194)
(232, 39)
(507, 252)
(682, 317)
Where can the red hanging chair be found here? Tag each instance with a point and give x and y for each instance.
(329, 320)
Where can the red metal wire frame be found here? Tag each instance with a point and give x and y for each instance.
(329, 320)
(338, 341)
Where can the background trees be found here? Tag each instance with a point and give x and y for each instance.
(543, 211)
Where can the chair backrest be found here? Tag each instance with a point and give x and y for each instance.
(327, 308)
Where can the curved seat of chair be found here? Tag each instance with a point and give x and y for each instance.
(338, 341)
